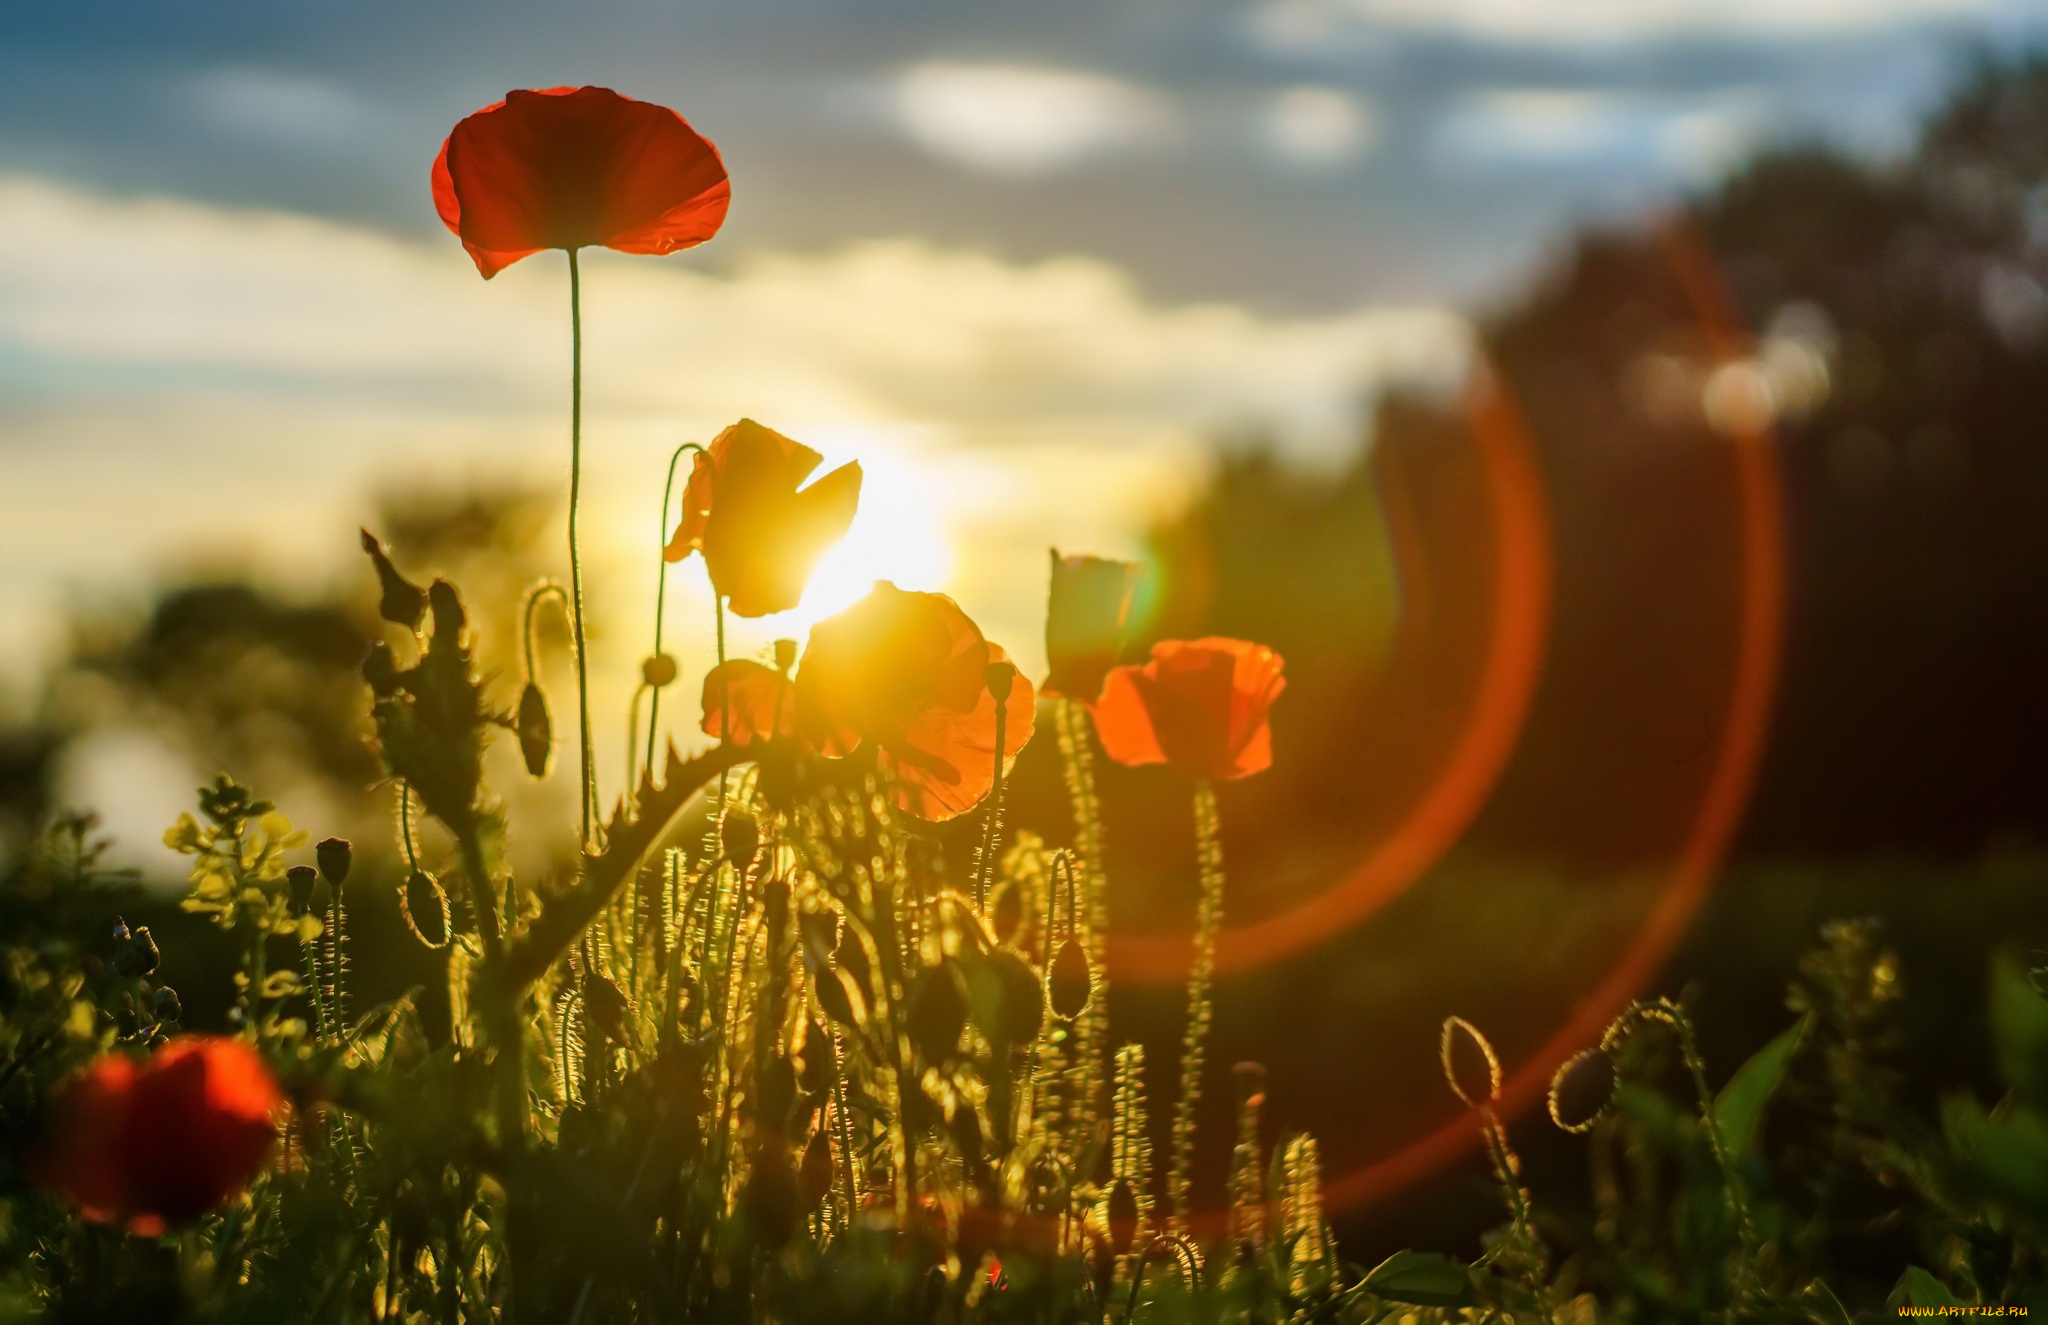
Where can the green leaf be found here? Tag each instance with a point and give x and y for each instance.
(1422, 1278)
(1823, 1305)
(2019, 1029)
(1918, 1288)
(1739, 1108)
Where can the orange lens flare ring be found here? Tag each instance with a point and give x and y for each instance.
(1760, 633)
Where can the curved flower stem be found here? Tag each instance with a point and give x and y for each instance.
(1208, 919)
(545, 589)
(589, 760)
(661, 588)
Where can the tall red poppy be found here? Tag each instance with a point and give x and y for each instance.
(746, 703)
(759, 535)
(1087, 620)
(573, 168)
(155, 1143)
(910, 672)
(1200, 705)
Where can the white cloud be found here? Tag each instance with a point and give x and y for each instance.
(1690, 137)
(1296, 24)
(1320, 126)
(262, 105)
(237, 382)
(1023, 119)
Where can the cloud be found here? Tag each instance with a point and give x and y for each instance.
(1689, 137)
(289, 110)
(176, 376)
(1022, 119)
(1320, 126)
(1300, 24)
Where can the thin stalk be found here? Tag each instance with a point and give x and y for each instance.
(1208, 919)
(589, 759)
(992, 829)
(1091, 1030)
(661, 587)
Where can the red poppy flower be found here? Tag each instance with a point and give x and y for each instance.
(156, 1143)
(1199, 704)
(759, 702)
(760, 536)
(576, 167)
(909, 672)
(1087, 620)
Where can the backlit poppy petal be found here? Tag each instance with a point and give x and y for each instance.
(577, 167)
(1088, 617)
(1201, 705)
(759, 702)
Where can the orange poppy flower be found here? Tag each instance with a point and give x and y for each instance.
(760, 536)
(1087, 620)
(759, 702)
(909, 672)
(153, 1144)
(1200, 705)
(576, 167)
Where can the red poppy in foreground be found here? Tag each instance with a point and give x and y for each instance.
(909, 672)
(760, 536)
(576, 167)
(1199, 705)
(156, 1143)
(745, 703)
(1087, 620)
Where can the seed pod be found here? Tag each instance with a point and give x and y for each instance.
(1023, 997)
(400, 600)
(535, 729)
(785, 654)
(814, 1173)
(301, 878)
(166, 1004)
(449, 618)
(740, 837)
(380, 671)
(1000, 677)
(938, 1012)
(658, 671)
(1470, 1065)
(1072, 980)
(334, 856)
(1582, 1090)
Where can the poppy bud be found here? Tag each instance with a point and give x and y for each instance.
(938, 1012)
(120, 930)
(166, 1005)
(1123, 1217)
(833, 998)
(770, 1200)
(1006, 911)
(740, 836)
(1251, 1083)
(449, 618)
(605, 1007)
(1072, 980)
(1581, 1090)
(814, 1173)
(1023, 998)
(821, 1057)
(785, 654)
(301, 878)
(535, 729)
(401, 601)
(658, 670)
(334, 855)
(965, 1129)
(139, 955)
(424, 896)
(999, 676)
(1470, 1065)
(380, 671)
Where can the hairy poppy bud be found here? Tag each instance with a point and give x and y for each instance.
(380, 671)
(535, 729)
(1581, 1090)
(301, 878)
(139, 956)
(1123, 1217)
(1251, 1082)
(740, 836)
(400, 601)
(938, 1012)
(1006, 911)
(120, 930)
(1023, 998)
(814, 1173)
(166, 1005)
(605, 1007)
(449, 618)
(334, 855)
(424, 896)
(785, 654)
(1072, 980)
(1470, 1065)
(658, 670)
(821, 1058)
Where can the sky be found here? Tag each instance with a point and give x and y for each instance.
(1027, 261)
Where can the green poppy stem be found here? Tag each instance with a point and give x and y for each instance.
(661, 590)
(589, 760)
(1208, 920)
